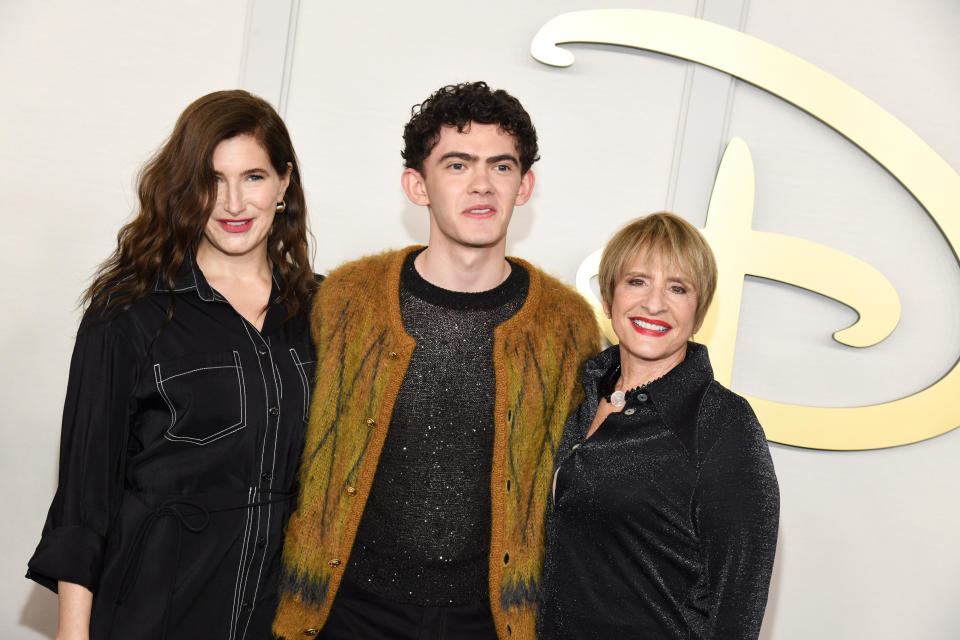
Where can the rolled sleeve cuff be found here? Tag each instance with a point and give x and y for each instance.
(72, 554)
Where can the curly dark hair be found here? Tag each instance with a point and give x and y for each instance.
(177, 190)
(458, 105)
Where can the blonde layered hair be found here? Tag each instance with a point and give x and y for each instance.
(672, 240)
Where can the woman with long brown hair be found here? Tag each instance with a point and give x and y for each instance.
(188, 391)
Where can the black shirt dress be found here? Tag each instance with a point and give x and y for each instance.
(178, 457)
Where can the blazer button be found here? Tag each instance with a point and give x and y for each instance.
(262, 351)
(334, 562)
(274, 411)
(311, 632)
(371, 422)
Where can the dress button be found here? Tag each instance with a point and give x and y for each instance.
(351, 490)
(274, 411)
(262, 351)
(643, 397)
(334, 562)
(371, 422)
(311, 632)
(629, 411)
(266, 476)
(261, 542)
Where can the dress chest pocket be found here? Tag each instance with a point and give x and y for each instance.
(206, 396)
(305, 370)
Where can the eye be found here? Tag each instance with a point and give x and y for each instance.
(636, 282)
(502, 168)
(255, 177)
(456, 166)
(678, 289)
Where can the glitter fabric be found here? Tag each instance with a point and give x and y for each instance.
(425, 533)
(664, 521)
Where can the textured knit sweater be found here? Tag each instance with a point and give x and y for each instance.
(362, 358)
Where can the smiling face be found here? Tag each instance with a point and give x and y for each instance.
(470, 182)
(248, 190)
(653, 313)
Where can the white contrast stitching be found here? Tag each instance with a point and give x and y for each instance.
(169, 435)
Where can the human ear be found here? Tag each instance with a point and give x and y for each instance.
(415, 187)
(606, 309)
(285, 181)
(526, 187)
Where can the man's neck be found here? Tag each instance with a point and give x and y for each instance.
(463, 269)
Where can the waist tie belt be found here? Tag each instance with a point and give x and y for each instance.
(180, 508)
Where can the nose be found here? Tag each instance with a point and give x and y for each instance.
(480, 183)
(232, 198)
(654, 302)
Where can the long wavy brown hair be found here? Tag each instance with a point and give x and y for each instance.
(177, 192)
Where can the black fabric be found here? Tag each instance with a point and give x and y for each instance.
(424, 538)
(664, 521)
(360, 615)
(179, 449)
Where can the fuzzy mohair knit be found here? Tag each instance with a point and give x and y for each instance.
(362, 358)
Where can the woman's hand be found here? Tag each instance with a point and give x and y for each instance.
(76, 602)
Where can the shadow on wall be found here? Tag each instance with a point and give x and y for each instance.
(40, 612)
(773, 600)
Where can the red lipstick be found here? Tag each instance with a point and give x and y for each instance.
(235, 228)
(650, 327)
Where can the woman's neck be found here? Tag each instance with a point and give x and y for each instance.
(636, 372)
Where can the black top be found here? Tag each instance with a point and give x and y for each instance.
(664, 522)
(178, 455)
(424, 537)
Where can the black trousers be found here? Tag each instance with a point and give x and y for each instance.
(359, 615)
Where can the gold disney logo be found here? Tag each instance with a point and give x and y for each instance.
(742, 251)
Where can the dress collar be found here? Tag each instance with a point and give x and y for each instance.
(675, 396)
(190, 278)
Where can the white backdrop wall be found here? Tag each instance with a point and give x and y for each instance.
(867, 540)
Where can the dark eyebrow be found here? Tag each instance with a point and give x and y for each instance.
(459, 155)
(503, 158)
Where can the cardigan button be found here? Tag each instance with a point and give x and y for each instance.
(371, 422)
(351, 490)
(629, 412)
(393, 355)
(643, 397)
(311, 632)
(334, 562)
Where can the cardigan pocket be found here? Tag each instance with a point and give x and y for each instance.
(206, 396)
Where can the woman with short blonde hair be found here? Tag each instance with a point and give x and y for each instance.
(663, 522)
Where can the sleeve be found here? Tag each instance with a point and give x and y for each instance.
(737, 512)
(93, 441)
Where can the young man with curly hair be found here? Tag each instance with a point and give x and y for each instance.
(444, 376)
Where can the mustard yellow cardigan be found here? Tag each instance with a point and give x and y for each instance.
(362, 357)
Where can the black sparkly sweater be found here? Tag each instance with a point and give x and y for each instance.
(425, 532)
